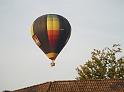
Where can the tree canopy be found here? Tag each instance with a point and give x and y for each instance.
(103, 64)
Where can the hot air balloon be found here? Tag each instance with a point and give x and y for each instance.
(51, 32)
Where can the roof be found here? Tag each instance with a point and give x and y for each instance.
(108, 85)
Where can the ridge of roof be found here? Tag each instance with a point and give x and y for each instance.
(33, 86)
(86, 80)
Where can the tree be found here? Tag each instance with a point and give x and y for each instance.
(103, 64)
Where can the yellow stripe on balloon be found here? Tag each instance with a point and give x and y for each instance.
(49, 22)
(32, 32)
(55, 23)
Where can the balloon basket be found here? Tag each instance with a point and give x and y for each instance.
(52, 64)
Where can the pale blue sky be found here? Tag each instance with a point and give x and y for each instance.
(95, 24)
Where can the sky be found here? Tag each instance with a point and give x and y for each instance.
(95, 24)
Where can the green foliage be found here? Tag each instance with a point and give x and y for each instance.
(104, 64)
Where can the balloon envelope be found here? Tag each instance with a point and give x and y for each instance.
(51, 33)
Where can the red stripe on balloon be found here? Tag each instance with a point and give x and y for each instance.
(53, 36)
